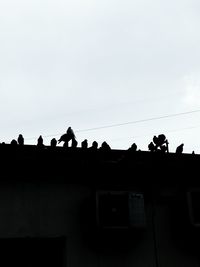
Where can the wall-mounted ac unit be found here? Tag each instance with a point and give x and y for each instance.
(120, 210)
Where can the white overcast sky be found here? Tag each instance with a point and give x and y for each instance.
(95, 63)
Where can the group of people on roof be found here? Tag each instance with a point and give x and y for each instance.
(69, 136)
(159, 143)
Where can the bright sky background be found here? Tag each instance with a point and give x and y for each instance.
(95, 63)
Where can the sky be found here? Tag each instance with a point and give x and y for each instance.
(107, 68)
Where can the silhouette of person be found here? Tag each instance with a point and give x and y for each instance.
(66, 144)
(133, 148)
(53, 142)
(159, 143)
(13, 142)
(20, 140)
(40, 142)
(69, 135)
(152, 147)
(163, 148)
(179, 149)
(105, 147)
(167, 146)
(84, 144)
(94, 145)
(64, 138)
(74, 143)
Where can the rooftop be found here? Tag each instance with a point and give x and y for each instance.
(31, 162)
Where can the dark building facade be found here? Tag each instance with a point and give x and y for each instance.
(75, 207)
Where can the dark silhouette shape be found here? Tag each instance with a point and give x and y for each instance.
(94, 146)
(152, 147)
(40, 142)
(164, 149)
(53, 142)
(159, 143)
(155, 140)
(179, 149)
(66, 145)
(70, 132)
(69, 135)
(74, 143)
(20, 140)
(105, 147)
(129, 154)
(84, 144)
(64, 138)
(167, 145)
(160, 140)
(13, 142)
(133, 148)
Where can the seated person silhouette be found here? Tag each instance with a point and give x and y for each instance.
(53, 142)
(84, 144)
(133, 148)
(13, 142)
(105, 147)
(94, 146)
(20, 140)
(152, 147)
(179, 149)
(40, 142)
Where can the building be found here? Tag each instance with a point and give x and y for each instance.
(74, 207)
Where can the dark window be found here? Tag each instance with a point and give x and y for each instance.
(113, 210)
(120, 209)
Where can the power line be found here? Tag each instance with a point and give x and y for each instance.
(140, 121)
(155, 132)
(130, 122)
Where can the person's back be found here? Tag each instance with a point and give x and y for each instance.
(53, 142)
(70, 133)
(40, 142)
(84, 144)
(179, 149)
(20, 139)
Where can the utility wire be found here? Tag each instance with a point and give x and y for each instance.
(139, 121)
(130, 122)
(155, 132)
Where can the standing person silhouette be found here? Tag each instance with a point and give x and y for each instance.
(69, 135)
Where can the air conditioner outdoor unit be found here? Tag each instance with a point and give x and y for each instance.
(120, 210)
